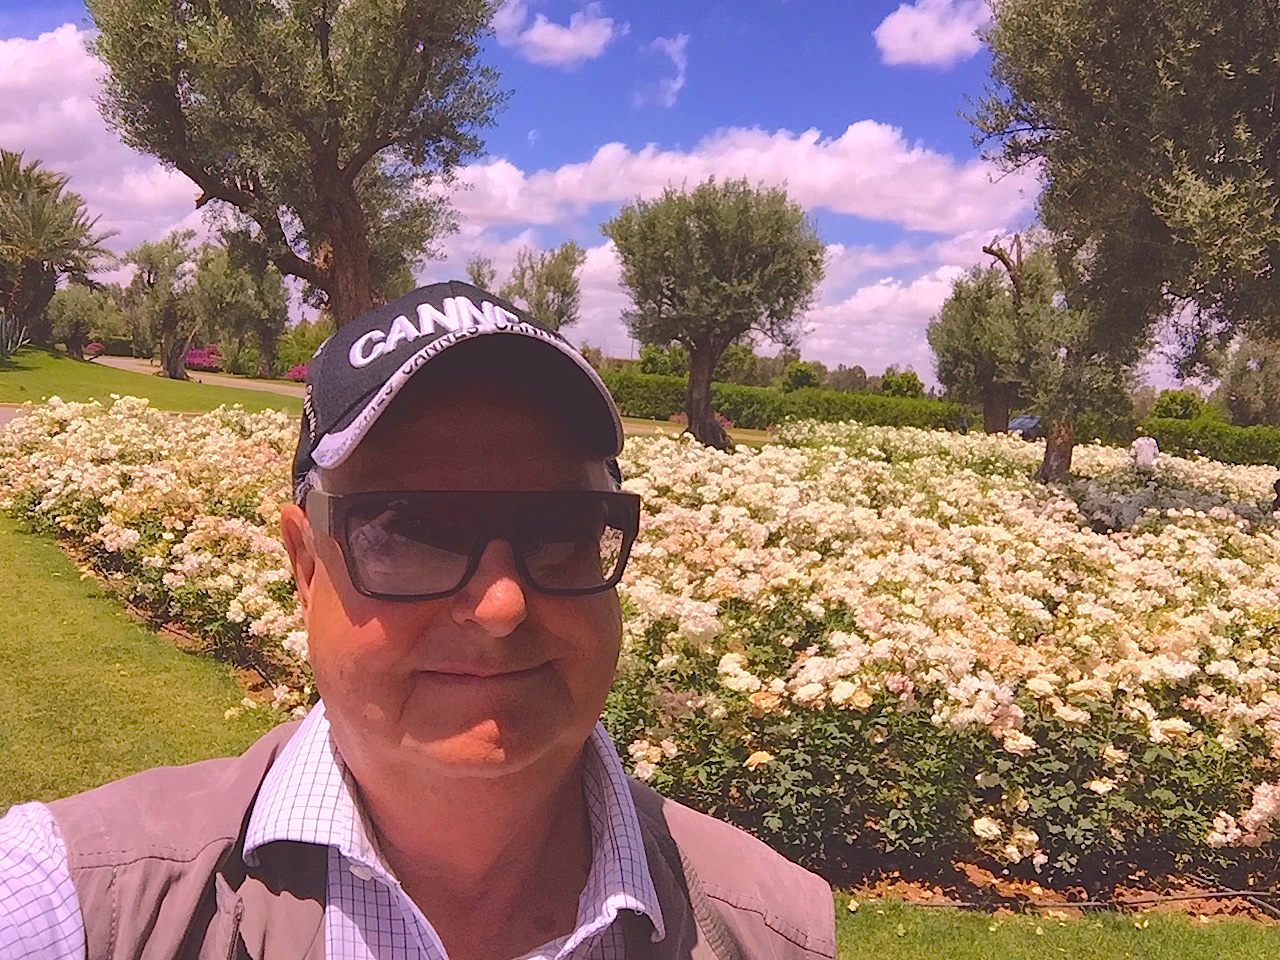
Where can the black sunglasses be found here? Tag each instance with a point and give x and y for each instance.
(426, 544)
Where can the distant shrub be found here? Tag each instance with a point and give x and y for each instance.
(297, 373)
(91, 350)
(798, 374)
(902, 383)
(208, 359)
(1183, 404)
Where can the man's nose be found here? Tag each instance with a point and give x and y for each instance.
(494, 598)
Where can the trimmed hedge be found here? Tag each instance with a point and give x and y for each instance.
(1216, 440)
(755, 408)
(656, 397)
(649, 396)
(812, 403)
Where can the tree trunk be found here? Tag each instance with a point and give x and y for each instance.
(173, 356)
(75, 344)
(266, 353)
(173, 347)
(996, 400)
(697, 400)
(35, 288)
(350, 287)
(1057, 451)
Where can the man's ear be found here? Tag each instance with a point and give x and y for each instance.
(300, 542)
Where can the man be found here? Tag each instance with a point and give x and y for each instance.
(456, 539)
(1144, 451)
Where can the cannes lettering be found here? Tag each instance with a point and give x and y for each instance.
(459, 314)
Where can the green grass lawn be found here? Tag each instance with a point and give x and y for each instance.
(635, 427)
(889, 930)
(36, 375)
(88, 695)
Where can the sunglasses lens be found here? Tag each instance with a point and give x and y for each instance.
(574, 551)
(403, 548)
(425, 544)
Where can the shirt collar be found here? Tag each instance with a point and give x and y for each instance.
(309, 796)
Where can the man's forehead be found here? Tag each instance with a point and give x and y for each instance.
(478, 448)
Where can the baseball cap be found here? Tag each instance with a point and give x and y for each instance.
(357, 372)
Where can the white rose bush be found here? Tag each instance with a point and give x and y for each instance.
(857, 642)
(180, 514)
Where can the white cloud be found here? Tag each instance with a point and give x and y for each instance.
(932, 33)
(870, 171)
(881, 323)
(551, 44)
(664, 93)
(56, 121)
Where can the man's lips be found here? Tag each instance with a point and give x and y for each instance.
(480, 674)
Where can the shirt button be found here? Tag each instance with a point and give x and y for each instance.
(360, 873)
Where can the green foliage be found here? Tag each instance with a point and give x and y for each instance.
(643, 395)
(323, 125)
(836, 405)
(841, 785)
(799, 374)
(545, 283)
(901, 383)
(46, 235)
(1250, 388)
(1154, 129)
(242, 307)
(300, 342)
(738, 364)
(1217, 440)
(753, 408)
(1184, 404)
(847, 378)
(669, 361)
(78, 315)
(972, 338)
(481, 272)
(159, 298)
(707, 267)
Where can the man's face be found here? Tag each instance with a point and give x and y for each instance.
(494, 678)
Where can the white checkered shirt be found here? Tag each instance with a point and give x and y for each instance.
(308, 797)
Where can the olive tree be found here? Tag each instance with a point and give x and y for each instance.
(324, 125)
(706, 268)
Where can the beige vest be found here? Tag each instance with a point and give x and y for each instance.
(156, 861)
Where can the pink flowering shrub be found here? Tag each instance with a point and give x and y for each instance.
(91, 350)
(207, 358)
(297, 373)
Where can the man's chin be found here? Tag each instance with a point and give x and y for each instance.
(487, 749)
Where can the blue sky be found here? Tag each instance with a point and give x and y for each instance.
(854, 106)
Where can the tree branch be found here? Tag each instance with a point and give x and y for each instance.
(364, 153)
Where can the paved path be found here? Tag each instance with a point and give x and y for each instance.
(7, 413)
(138, 365)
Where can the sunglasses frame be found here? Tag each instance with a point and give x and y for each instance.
(328, 514)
